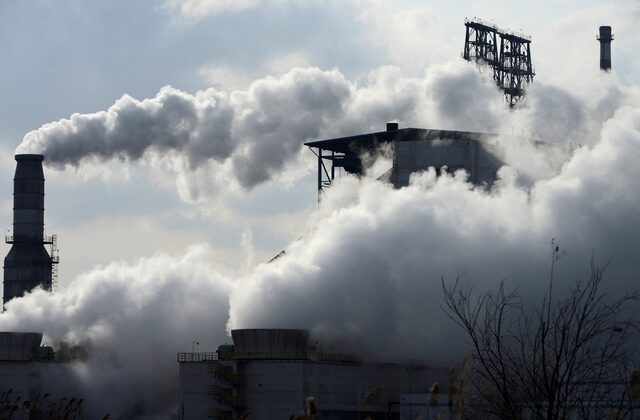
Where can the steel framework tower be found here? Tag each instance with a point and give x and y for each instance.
(515, 66)
(28, 264)
(481, 43)
(510, 58)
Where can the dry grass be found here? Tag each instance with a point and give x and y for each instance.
(42, 407)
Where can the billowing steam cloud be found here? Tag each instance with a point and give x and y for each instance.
(254, 132)
(220, 140)
(369, 272)
(132, 319)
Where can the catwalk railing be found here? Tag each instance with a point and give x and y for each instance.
(307, 355)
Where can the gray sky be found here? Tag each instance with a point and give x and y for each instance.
(173, 131)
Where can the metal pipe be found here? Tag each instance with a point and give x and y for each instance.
(605, 37)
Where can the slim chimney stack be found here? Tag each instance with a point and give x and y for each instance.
(28, 264)
(605, 37)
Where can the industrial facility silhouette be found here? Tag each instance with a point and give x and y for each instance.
(269, 371)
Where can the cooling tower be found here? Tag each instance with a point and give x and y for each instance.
(28, 264)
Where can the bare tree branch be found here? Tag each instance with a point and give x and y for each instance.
(569, 357)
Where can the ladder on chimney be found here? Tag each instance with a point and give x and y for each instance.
(55, 259)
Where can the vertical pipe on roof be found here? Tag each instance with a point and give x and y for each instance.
(605, 37)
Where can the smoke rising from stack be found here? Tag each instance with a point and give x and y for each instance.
(370, 271)
(221, 141)
(132, 319)
(245, 136)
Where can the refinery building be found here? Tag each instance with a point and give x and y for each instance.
(270, 373)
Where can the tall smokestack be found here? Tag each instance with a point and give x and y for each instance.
(605, 37)
(28, 264)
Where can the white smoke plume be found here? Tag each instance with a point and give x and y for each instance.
(132, 319)
(369, 271)
(220, 141)
(245, 136)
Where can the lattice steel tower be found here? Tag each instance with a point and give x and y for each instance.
(515, 66)
(509, 58)
(481, 44)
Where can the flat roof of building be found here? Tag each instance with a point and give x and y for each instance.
(369, 141)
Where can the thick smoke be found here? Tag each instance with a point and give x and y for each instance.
(255, 132)
(132, 320)
(369, 272)
(220, 141)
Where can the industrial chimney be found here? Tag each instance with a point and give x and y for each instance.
(28, 264)
(605, 37)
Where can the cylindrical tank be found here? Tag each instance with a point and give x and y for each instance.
(28, 264)
(605, 37)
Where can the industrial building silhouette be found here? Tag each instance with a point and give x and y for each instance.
(28, 264)
(270, 371)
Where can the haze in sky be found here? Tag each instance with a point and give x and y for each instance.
(175, 169)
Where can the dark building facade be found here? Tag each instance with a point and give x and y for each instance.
(28, 263)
